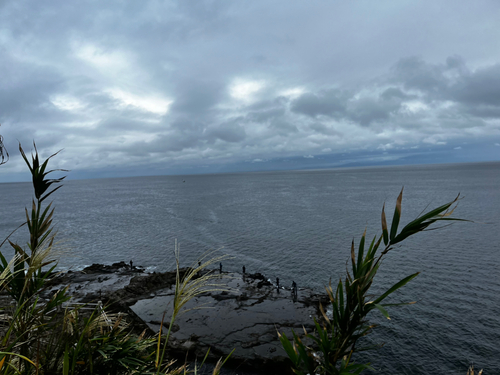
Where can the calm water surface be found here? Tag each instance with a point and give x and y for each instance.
(299, 226)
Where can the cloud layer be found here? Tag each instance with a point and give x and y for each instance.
(190, 86)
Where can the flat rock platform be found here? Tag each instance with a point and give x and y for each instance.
(246, 318)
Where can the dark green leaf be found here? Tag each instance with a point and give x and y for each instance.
(395, 287)
(382, 310)
(396, 217)
(385, 232)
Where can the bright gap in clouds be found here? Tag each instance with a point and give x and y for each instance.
(156, 105)
(415, 106)
(293, 92)
(111, 60)
(67, 103)
(245, 89)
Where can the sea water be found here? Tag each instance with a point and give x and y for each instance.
(298, 226)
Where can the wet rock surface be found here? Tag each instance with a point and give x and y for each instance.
(246, 318)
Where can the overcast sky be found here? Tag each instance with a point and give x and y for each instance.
(161, 87)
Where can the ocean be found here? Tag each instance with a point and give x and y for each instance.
(298, 226)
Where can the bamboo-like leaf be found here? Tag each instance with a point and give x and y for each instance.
(340, 291)
(33, 211)
(335, 312)
(338, 336)
(374, 248)
(57, 188)
(40, 183)
(66, 361)
(287, 345)
(353, 258)
(433, 213)
(44, 214)
(302, 352)
(395, 287)
(25, 158)
(421, 225)
(17, 248)
(17, 355)
(385, 232)
(329, 291)
(397, 216)
(361, 249)
(382, 310)
(5, 264)
(322, 313)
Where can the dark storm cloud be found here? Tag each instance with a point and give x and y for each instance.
(125, 122)
(484, 111)
(162, 144)
(195, 97)
(175, 142)
(187, 125)
(395, 93)
(323, 129)
(26, 97)
(466, 92)
(474, 92)
(481, 87)
(368, 110)
(228, 132)
(329, 103)
(340, 105)
(416, 74)
(266, 114)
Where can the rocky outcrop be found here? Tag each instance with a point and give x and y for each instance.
(246, 317)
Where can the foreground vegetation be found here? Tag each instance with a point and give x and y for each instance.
(335, 338)
(43, 334)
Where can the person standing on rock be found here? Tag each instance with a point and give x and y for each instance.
(220, 267)
(244, 270)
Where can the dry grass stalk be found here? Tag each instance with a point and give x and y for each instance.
(471, 371)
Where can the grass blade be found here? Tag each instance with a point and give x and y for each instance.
(397, 216)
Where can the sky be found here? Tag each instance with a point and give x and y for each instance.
(131, 88)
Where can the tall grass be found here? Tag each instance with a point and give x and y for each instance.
(194, 283)
(329, 349)
(42, 337)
